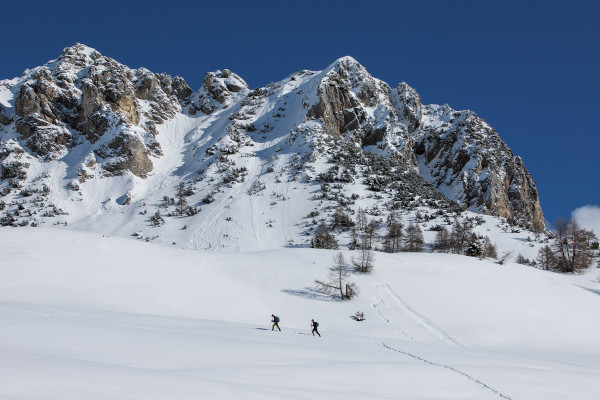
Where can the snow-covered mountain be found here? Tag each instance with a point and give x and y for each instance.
(88, 144)
(87, 141)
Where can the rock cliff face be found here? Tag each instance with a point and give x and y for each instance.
(86, 96)
(466, 160)
(456, 151)
(102, 120)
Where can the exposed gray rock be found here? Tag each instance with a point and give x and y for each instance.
(469, 162)
(4, 119)
(218, 89)
(462, 156)
(85, 93)
(129, 154)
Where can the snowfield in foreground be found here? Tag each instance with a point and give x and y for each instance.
(89, 317)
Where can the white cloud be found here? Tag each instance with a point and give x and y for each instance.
(588, 217)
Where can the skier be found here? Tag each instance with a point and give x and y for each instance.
(275, 322)
(315, 325)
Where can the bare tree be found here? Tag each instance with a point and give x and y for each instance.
(489, 248)
(393, 238)
(338, 280)
(361, 219)
(572, 250)
(546, 259)
(460, 236)
(442, 240)
(364, 262)
(413, 240)
(370, 233)
(353, 245)
(522, 260)
(391, 218)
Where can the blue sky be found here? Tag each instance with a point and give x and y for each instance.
(529, 68)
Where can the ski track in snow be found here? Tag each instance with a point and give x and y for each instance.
(429, 326)
(417, 317)
(378, 302)
(469, 377)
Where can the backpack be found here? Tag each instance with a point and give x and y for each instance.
(276, 319)
(315, 324)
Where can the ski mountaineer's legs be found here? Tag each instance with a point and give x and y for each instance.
(315, 331)
(275, 324)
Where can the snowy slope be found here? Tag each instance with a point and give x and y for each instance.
(88, 316)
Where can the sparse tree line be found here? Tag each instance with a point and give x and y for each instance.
(182, 208)
(394, 235)
(29, 202)
(572, 250)
(460, 239)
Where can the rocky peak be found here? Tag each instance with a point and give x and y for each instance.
(345, 93)
(218, 89)
(350, 74)
(83, 93)
(79, 55)
(408, 103)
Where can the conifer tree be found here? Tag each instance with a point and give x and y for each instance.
(323, 239)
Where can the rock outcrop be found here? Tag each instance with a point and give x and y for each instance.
(218, 89)
(456, 151)
(467, 160)
(83, 94)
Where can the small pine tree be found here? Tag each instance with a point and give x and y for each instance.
(181, 201)
(342, 220)
(353, 245)
(473, 249)
(156, 219)
(323, 239)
